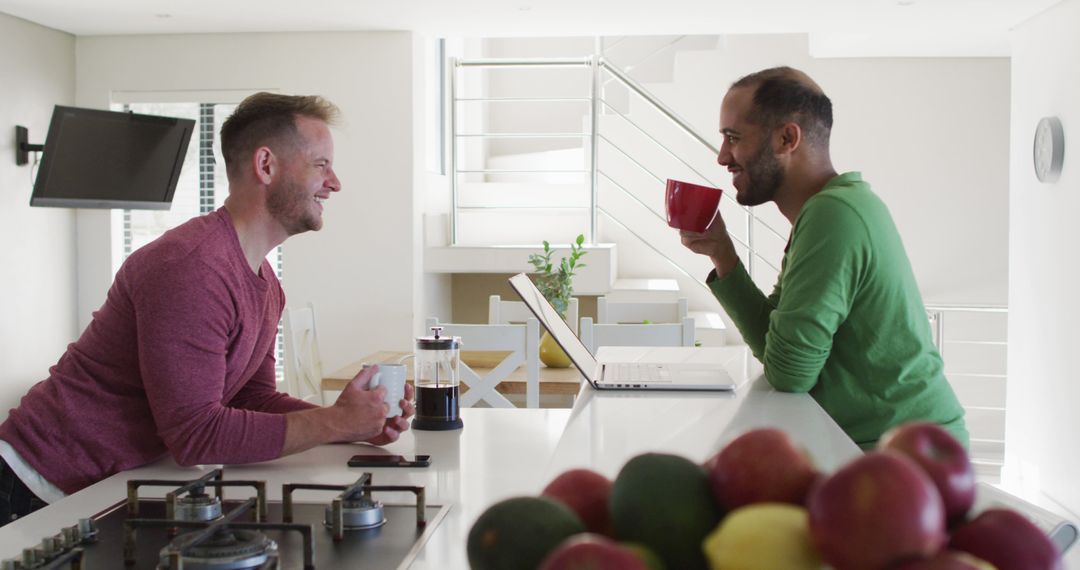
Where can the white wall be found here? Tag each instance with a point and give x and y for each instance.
(1044, 310)
(431, 192)
(360, 269)
(38, 252)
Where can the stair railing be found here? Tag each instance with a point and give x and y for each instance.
(987, 450)
(598, 66)
(751, 219)
(456, 135)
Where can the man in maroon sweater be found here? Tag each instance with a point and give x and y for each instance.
(180, 359)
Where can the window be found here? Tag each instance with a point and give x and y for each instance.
(202, 187)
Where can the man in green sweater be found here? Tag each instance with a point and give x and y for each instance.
(845, 321)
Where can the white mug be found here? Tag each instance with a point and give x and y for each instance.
(392, 376)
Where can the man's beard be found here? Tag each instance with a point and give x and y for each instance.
(765, 177)
(291, 206)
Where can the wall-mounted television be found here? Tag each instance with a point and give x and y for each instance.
(108, 159)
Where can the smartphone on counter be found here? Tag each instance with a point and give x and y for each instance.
(389, 461)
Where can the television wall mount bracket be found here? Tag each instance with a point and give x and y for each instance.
(23, 148)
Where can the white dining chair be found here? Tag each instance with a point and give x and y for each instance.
(515, 312)
(303, 365)
(610, 313)
(521, 341)
(593, 336)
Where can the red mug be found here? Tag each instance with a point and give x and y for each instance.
(690, 206)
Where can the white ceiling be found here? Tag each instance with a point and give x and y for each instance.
(870, 27)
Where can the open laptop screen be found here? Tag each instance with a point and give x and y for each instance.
(555, 325)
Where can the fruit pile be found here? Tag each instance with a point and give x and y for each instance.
(761, 504)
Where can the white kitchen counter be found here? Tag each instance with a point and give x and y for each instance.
(502, 453)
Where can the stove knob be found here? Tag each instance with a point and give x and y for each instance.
(48, 548)
(70, 535)
(52, 546)
(88, 529)
(10, 564)
(30, 557)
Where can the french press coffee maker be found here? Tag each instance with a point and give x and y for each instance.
(436, 375)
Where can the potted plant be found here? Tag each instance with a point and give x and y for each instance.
(556, 284)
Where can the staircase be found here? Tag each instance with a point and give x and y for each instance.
(520, 180)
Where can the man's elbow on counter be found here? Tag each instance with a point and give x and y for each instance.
(186, 457)
(789, 382)
(189, 452)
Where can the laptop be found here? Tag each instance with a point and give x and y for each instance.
(628, 368)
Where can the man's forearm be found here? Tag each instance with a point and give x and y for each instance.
(307, 428)
(724, 259)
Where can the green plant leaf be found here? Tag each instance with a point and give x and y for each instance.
(556, 285)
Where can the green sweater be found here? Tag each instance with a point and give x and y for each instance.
(845, 321)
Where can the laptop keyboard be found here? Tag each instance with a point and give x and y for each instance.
(629, 372)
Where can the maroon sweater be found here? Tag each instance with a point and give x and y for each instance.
(179, 360)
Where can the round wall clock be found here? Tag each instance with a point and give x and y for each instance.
(1049, 149)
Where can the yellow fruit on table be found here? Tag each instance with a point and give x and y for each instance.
(762, 536)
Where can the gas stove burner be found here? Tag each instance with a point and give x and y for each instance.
(252, 533)
(197, 507)
(358, 514)
(229, 549)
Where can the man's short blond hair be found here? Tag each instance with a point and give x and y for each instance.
(269, 119)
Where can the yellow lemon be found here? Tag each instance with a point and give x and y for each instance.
(762, 536)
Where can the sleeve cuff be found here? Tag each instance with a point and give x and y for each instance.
(721, 284)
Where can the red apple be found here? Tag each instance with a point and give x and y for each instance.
(1004, 538)
(586, 493)
(878, 510)
(587, 551)
(948, 560)
(761, 465)
(942, 458)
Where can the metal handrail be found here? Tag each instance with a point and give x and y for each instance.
(524, 99)
(968, 308)
(725, 196)
(655, 102)
(597, 64)
(636, 162)
(671, 153)
(524, 207)
(528, 62)
(680, 122)
(522, 171)
(454, 64)
(936, 313)
(594, 142)
(661, 218)
(523, 135)
(649, 244)
(633, 197)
